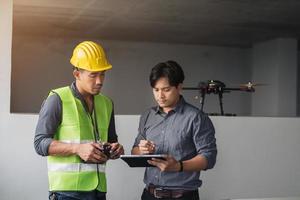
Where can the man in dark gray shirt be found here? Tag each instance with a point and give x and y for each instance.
(180, 131)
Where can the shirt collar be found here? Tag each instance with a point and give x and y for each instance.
(78, 95)
(75, 91)
(178, 108)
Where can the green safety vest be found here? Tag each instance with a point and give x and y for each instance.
(71, 173)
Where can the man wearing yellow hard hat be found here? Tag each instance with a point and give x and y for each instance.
(76, 129)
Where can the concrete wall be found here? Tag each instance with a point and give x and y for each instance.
(258, 157)
(275, 63)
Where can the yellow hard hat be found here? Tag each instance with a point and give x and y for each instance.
(90, 56)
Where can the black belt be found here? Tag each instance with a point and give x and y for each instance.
(159, 192)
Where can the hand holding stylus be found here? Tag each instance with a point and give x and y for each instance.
(146, 147)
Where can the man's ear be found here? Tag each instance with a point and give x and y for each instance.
(76, 74)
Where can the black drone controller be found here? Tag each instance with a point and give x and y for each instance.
(105, 148)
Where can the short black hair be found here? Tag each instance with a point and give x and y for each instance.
(77, 69)
(170, 69)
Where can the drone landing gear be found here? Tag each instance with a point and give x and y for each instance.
(220, 103)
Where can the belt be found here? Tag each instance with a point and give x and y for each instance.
(160, 193)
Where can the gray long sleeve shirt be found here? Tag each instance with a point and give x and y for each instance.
(50, 118)
(184, 133)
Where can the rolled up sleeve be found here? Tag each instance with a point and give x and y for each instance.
(49, 119)
(204, 139)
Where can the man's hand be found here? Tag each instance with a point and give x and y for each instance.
(90, 152)
(116, 150)
(146, 147)
(169, 164)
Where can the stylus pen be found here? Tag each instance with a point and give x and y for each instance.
(143, 137)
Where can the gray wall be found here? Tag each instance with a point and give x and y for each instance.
(46, 62)
(258, 157)
(40, 64)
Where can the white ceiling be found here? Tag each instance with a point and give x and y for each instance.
(237, 23)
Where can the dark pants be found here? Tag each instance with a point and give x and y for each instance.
(190, 196)
(92, 195)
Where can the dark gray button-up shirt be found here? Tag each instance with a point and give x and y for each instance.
(183, 133)
(50, 118)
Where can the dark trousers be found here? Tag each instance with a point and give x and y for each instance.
(92, 195)
(190, 196)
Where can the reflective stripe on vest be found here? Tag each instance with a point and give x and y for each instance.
(75, 167)
(76, 141)
(70, 173)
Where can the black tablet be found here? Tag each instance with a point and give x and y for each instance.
(141, 160)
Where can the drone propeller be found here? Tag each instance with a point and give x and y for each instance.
(252, 84)
(249, 84)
